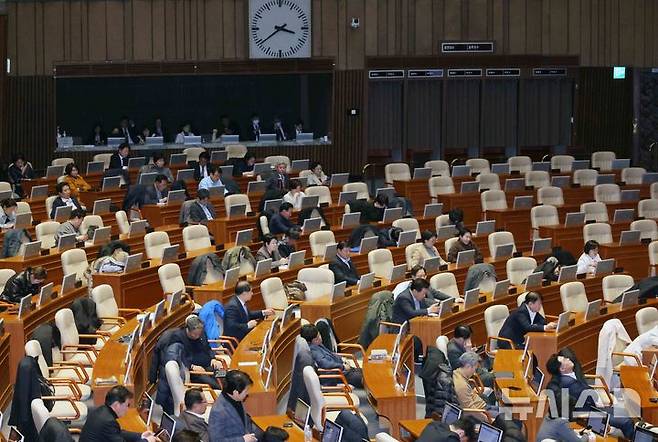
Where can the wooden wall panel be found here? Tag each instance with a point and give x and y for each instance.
(348, 149)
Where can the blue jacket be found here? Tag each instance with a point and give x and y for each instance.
(225, 424)
(208, 315)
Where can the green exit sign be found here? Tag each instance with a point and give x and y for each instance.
(619, 72)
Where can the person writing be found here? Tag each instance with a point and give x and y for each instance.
(157, 193)
(228, 420)
(464, 242)
(295, 195)
(317, 178)
(202, 210)
(589, 259)
(523, 320)
(418, 271)
(238, 319)
(214, 179)
(75, 181)
(343, 267)
(281, 223)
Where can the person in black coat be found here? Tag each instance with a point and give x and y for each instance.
(102, 425)
(26, 388)
(201, 167)
(20, 285)
(19, 170)
(128, 131)
(412, 302)
(202, 210)
(461, 429)
(157, 192)
(343, 267)
(524, 319)
(119, 159)
(238, 319)
(281, 223)
(64, 199)
(279, 179)
(253, 129)
(97, 136)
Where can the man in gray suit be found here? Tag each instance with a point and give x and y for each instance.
(228, 421)
(193, 417)
(72, 226)
(202, 210)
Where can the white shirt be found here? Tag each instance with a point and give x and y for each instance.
(587, 264)
(532, 314)
(645, 340)
(203, 171)
(295, 200)
(68, 202)
(207, 183)
(206, 211)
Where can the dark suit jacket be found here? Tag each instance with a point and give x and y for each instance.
(236, 319)
(274, 181)
(188, 421)
(59, 203)
(405, 309)
(280, 224)
(132, 135)
(518, 324)
(454, 352)
(197, 172)
(151, 195)
(117, 162)
(343, 272)
(250, 134)
(197, 215)
(102, 426)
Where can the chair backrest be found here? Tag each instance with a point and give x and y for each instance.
(105, 158)
(155, 243)
(384, 437)
(537, 179)
(439, 167)
(615, 285)
(648, 209)
(103, 297)
(5, 186)
(447, 245)
(519, 268)
(478, 165)
(361, 190)
(653, 253)
(440, 185)
(573, 296)
(312, 383)
(521, 163)
(33, 349)
(193, 153)
(319, 240)
(75, 261)
(122, 222)
(23, 207)
(488, 181)
(599, 232)
(274, 295)
(442, 345)
(196, 238)
(40, 413)
(595, 212)
(176, 385)
(646, 318)
(61, 179)
(647, 227)
(5, 274)
(546, 215)
(170, 278)
(397, 172)
(236, 151)
(445, 283)
(65, 161)
(45, 232)
(607, 193)
(562, 162)
(550, 195)
(633, 175)
(319, 282)
(442, 220)
(602, 160)
(496, 239)
(322, 192)
(494, 317)
(493, 200)
(276, 159)
(49, 204)
(380, 261)
(521, 299)
(408, 224)
(68, 331)
(585, 177)
(91, 220)
(236, 200)
(409, 253)
(264, 224)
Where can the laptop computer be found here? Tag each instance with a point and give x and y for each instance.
(25, 306)
(514, 184)
(422, 173)
(272, 205)
(432, 210)
(231, 278)
(68, 283)
(485, 227)
(230, 138)
(218, 156)
(346, 197)
(629, 237)
(471, 297)
(522, 202)
(63, 213)
(462, 170)
(237, 210)
(15, 435)
(296, 259)
(503, 251)
(263, 267)
(567, 273)
(621, 163)
(388, 192)
(23, 220)
(644, 435)
(101, 236)
(39, 192)
(533, 281)
(54, 171)
(593, 310)
(629, 298)
(216, 191)
(501, 289)
(397, 272)
(192, 140)
(339, 179)
(185, 175)
(330, 252)
(167, 426)
(500, 168)
(136, 162)
(537, 380)
(541, 245)
(560, 181)
(154, 141)
(574, 219)
(445, 307)
(256, 186)
(562, 321)
(451, 413)
(133, 262)
(630, 195)
(261, 168)
(309, 202)
(623, 215)
(365, 282)
(115, 141)
(432, 264)
(178, 159)
(243, 237)
(598, 421)
(148, 178)
(338, 291)
(226, 170)
(158, 312)
(489, 433)
(95, 167)
(30, 249)
(605, 266)
(544, 166)
(45, 294)
(470, 187)
(311, 225)
(303, 138)
(302, 413)
(351, 220)
(446, 232)
(405, 377)
(111, 183)
(331, 432)
(406, 238)
(175, 301)
(465, 258)
(170, 253)
(175, 197)
(605, 179)
(392, 214)
(300, 164)
(368, 244)
(137, 227)
(66, 242)
(102, 206)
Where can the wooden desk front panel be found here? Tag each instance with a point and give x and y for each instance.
(571, 238)
(634, 259)
(117, 196)
(27, 185)
(468, 202)
(637, 379)
(6, 367)
(38, 209)
(417, 191)
(516, 221)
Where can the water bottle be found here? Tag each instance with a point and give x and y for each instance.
(308, 434)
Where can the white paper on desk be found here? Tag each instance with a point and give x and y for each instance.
(247, 363)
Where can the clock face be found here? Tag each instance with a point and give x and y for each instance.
(279, 28)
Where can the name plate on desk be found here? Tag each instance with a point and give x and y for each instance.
(464, 73)
(386, 74)
(504, 72)
(549, 72)
(473, 47)
(425, 73)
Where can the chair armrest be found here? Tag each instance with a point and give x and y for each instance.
(75, 390)
(70, 401)
(102, 336)
(599, 378)
(354, 346)
(390, 324)
(605, 390)
(77, 367)
(336, 407)
(113, 320)
(129, 312)
(551, 317)
(628, 355)
(336, 375)
(496, 338)
(80, 348)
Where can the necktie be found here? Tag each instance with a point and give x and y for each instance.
(246, 311)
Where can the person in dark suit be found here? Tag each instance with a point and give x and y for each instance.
(460, 344)
(343, 267)
(192, 418)
(119, 159)
(281, 223)
(279, 131)
(244, 165)
(20, 169)
(524, 319)
(279, 179)
(102, 425)
(202, 210)
(158, 129)
(157, 193)
(201, 168)
(412, 302)
(253, 129)
(64, 199)
(238, 319)
(127, 130)
(228, 420)
(97, 136)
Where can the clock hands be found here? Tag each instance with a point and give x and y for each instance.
(278, 29)
(271, 35)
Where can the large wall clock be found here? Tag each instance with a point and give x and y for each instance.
(279, 28)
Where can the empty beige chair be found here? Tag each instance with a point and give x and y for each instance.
(520, 163)
(322, 192)
(319, 282)
(597, 212)
(439, 167)
(105, 158)
(319, 241)
(75, 261)
(488, 181)
(171, 279)
(653, 257)
(573, 296)
(563, 163)
(49, 204)
(122, 222)
(90, 220)
(603, 160)
(647, 227)
(236, 151)
(274, 295)
(633, 175)
(550, 195)
(585, 177)
(447, 245)
(45, 232)
(236, 200)
(65, 161)
(361, 190)
(5, 186)
(615, 285)
(264, 226)
(646, 318)
(196, 238)
(107, 309)
(380, 262)
(22, 207)
(70, 340)
(5, 274)
(193, 153)
(442, 220)
(494, 318)
(65, 408)
(545, 215)
(537, 179)
(478, 165)
(496, 239)
(440, 185)
(445, 282)
(277, 159)
(397, 172)
(493, 200)
(408, 224)
(155, 243)
(519, 268)
(599, 232)
(648, 209)
(607, 193)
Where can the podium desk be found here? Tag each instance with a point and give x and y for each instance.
(20, 329)
(160, 215)
(262, 400)
(578, 195)
(468, 202)
(417, 191)
(634, 259)
(637, 379)
(110, 360)
(381, 383)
